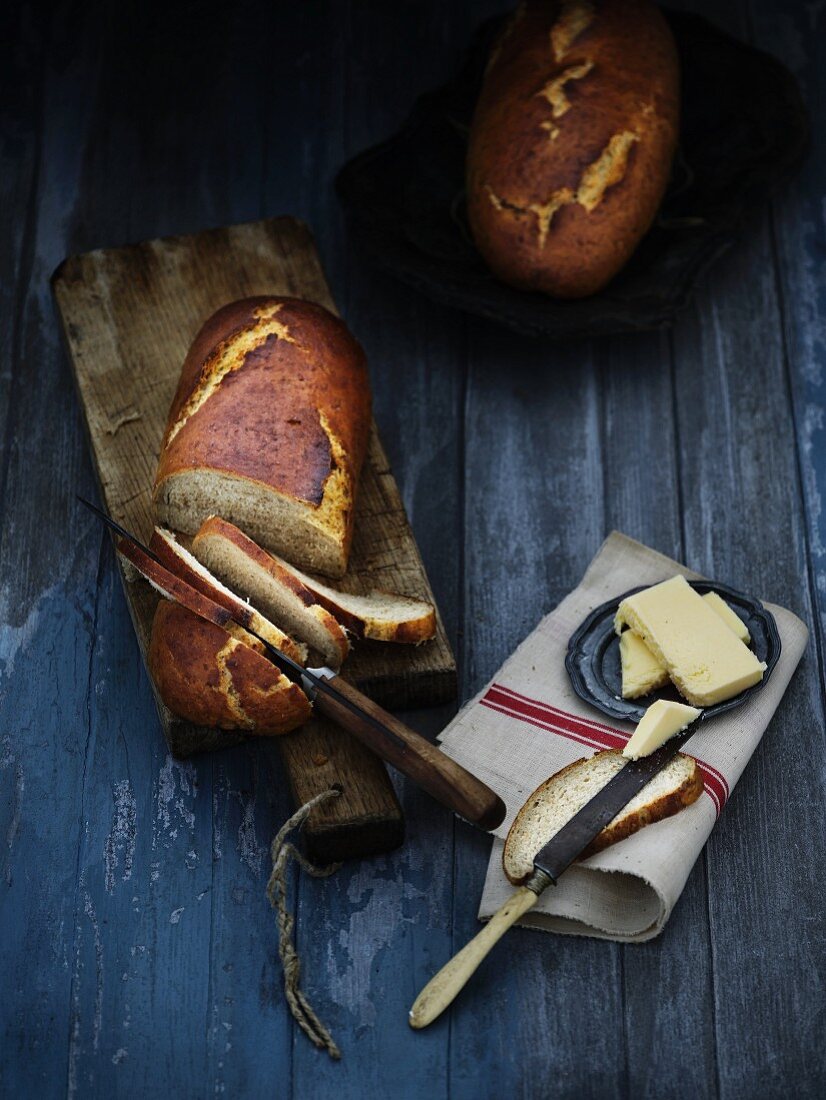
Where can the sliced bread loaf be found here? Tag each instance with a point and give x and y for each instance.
(215, 676)
(269, 426)
(254, 573)
(565, 793)
(184, 565)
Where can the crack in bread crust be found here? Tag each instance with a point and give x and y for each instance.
(554, 92)
(575, 17)
(601, 174)
(336, 494)
(232, 697)
(545, 211)
(609, 168)
(229, 356)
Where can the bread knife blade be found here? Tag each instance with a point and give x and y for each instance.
(413, 755)
(564, 847)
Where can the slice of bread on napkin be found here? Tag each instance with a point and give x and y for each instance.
(556, 801)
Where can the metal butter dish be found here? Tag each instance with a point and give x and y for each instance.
(593, 657)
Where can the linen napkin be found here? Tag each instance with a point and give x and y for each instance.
(527, 723)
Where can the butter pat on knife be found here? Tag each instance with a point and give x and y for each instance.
(662, 721)
(704, 658)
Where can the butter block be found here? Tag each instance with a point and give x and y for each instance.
(662, 721)
(705, 660)
(642, 673)
(719, 606)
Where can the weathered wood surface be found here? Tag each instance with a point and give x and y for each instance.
(138, 949)
(129, 315)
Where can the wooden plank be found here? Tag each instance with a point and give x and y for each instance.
(128, 322)
(669, 1038)
(794, 33)
(533, 517)
(370, 935)
(766, 928)
(47, 595)
(373, 934)
(743, 522)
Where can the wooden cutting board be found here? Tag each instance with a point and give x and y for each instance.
(129, 315)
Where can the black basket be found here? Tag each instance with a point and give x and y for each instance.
(743, 133)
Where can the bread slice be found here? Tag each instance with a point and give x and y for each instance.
(241, 563)
(269, 427)
(557, 800)
(378, 616)
(272, 583)
(179, 561)
(216, 676)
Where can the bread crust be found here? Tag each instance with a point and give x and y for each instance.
(274, 393)
(212, 677)
(665, 806)
(216, 527)
(572, 141)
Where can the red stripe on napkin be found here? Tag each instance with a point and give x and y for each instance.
(585, 731)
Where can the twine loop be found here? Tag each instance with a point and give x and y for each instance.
(281, 851)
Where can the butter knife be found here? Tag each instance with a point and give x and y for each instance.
(549, 862)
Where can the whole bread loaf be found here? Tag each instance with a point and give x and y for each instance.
(218, 677)
(572, 142)
(269, 428)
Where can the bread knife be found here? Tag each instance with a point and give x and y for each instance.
(413, 755)
(549, 862)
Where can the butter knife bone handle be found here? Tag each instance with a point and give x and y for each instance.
(414, 756)
(443, 987)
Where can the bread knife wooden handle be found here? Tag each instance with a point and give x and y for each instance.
(413, 755)
(409, 752)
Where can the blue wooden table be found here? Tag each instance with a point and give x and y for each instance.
(139, 954)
